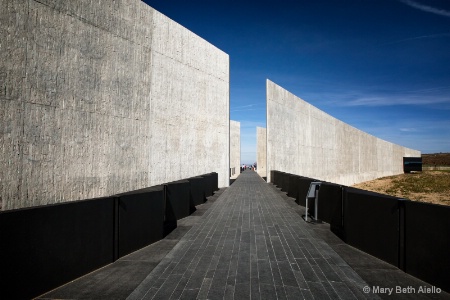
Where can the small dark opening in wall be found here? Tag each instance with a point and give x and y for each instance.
(412, 164)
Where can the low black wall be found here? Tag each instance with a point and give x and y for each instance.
(198, 189)
(293, 186)
(412, 236)
(141, 219)
(277, 178)
(330, 206)
(215, 177)
(285, 177)
(427, 244)
(209, 184)
(371, 223)
(303, 187)
(178, 195)
(45, 247)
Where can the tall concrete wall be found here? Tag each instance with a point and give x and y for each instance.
(101, 97)
(235, 148)
(303, 140)
(261, 151)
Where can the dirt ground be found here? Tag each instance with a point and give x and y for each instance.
(436, 159)
(427, 186)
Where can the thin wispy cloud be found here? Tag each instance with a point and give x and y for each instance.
(248, 107)
(408, 129)
(430, 36)
(426, 8)
(385, 100)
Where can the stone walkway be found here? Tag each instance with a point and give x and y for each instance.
(250, 244)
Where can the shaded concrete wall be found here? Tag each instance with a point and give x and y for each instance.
(261, 151)
(235, 147)
(303, 140)
(102, 97)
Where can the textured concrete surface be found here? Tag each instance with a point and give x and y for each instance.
(102, 98)
(235, 148)
(303, 140)
(261, 151)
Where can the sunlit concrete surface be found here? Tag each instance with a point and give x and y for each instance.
(303, 140)
(261, 151)
(235, 148)
(98, 98)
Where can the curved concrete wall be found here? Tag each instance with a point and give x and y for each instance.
(235, 148)
(103, 97)
(303, 140)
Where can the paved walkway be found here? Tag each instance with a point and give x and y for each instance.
(251, 244)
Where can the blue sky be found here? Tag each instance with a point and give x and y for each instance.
(382, 66)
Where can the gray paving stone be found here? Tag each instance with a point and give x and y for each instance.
(267, 291)
(189, 294)
(242, 291)
(281, 293)
(251, 244)
(293, 293)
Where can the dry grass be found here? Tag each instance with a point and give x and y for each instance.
(428, 186)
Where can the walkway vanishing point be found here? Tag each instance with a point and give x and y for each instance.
(247, 242)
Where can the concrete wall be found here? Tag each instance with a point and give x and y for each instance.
(261, 151)
(303, 140)
(102, 97)
(235, 147)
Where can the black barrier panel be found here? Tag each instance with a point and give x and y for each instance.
(303, 187)
(141, 218)
(427, 244)
(272, 176)
(209, 184)
(411, 164)
(44, 247)
(371, 223)
(330, 206)
(293, 186)
(178, 196)
(215, 177)
(198, 189)
(277, 178)
(285, 182)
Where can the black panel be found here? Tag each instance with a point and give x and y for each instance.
(303, 187)
(198, 189)
(427, 232)
(330, 205)
(215, 177)
(277, 178)
(178, 196)
(371, 223)
(141, 218)
(285, 182)
(411, 164)
(209, 184)
(47, 246)
(293, 186)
